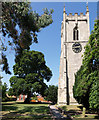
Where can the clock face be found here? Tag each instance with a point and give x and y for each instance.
(77, 47)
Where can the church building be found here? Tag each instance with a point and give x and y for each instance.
(75, 33)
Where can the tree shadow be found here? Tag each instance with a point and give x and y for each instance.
(74, 112)
(96, 117)
(12, 112)
(32, 103)
(26, 109)
(81, 107)
(42, 109)
(34, 112)
(38, 103)
(35, 109)
(8, 103)
(8, 108)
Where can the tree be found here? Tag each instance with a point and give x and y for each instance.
(4, 90)
(86, 87)
(94, 94)
(20, 26)
(51, 93)
(30, 71)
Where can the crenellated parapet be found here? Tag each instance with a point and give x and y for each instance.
(76, 14)
(77, 17)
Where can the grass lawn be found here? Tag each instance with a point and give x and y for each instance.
(76, 112)
(13, 110)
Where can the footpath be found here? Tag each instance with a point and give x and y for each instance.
(57, 115)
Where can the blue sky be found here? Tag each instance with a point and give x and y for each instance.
(50, 37)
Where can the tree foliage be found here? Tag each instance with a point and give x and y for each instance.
(20, 26)
(4, 90)
(94, 94)
(30, 72)
(86, 87)
(51, 93)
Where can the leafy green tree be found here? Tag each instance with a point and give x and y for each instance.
(20, 26)
(30, 71)
(94, 94)
(86, 87)
(51, 93)
(4, 90)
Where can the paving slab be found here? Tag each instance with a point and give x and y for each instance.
(57, 115)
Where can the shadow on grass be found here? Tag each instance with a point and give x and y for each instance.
(8, 108)
(32, 103)
(34, 112)
(8, 103)
(74, 113)
(14, 116)
(97, 117)
(35, 117)
(16, 102)
(81, 107)
(32, 117)
(43, 109)
(34, 109)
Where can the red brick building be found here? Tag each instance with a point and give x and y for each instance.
(21, 97)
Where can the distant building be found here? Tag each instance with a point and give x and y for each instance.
(21, 97)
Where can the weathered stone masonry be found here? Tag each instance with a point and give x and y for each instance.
(75, 33)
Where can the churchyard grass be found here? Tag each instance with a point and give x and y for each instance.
(14, 110)
(75, 111)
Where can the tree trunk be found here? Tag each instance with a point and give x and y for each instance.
(27, 100)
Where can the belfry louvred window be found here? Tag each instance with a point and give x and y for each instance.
(75, 34)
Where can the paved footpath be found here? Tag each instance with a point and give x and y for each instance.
(56, 114)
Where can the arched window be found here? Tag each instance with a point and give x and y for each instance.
(75, 34)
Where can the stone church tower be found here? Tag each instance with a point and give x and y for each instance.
(75, 33)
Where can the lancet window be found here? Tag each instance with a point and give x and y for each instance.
(75, 33)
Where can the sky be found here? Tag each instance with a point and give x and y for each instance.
(49, 38)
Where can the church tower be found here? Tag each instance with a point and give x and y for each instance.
(75, 33)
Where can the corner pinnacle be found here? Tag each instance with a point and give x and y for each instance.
(87, 10)
(64, 8)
